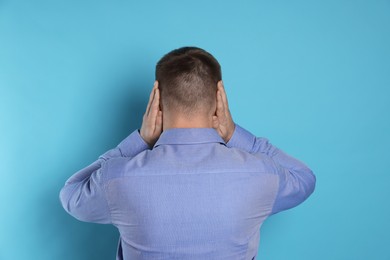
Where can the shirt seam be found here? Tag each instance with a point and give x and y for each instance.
(195, 173)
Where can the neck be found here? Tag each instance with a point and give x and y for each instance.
(182, 122)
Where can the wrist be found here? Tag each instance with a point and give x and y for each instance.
(143, 138)
(230, 133)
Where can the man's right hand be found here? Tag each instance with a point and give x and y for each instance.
(223, 121)
(152, 121)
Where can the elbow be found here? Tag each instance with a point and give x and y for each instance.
(64, 198)
(70, 201)
(67, 201)
(306, 183)
(313, 180)
(295, 189)
(310, 182)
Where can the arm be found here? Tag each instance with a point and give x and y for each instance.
(83, 195)
(296, 180)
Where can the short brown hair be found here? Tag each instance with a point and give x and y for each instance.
(188, 79)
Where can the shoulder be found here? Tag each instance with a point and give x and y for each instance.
(121, 166)
(257, 162)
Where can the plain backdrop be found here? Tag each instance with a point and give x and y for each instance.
(312, 76)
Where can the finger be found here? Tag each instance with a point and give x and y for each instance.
(156, 95)
(226, 109)
(224, 97)
(150, 99)
(154, 107)
(220, 111)
(159, 122)
(223, 115)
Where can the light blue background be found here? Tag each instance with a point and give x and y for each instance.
(312, 76)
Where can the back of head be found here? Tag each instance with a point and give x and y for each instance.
(188, 79)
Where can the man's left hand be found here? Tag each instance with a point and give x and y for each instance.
(223, 121)
(152, 120)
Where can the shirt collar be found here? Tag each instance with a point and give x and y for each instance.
(189, 136)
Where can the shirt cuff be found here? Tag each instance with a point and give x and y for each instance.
(133, 144)
(241, 139)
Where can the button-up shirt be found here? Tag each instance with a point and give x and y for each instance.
(190, 196)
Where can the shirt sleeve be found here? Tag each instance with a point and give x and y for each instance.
(83, 195)
(296, 180)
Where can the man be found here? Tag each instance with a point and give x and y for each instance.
(190, 184)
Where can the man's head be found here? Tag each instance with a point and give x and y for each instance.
(187, 78)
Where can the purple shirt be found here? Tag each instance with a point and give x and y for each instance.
(192, 196)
